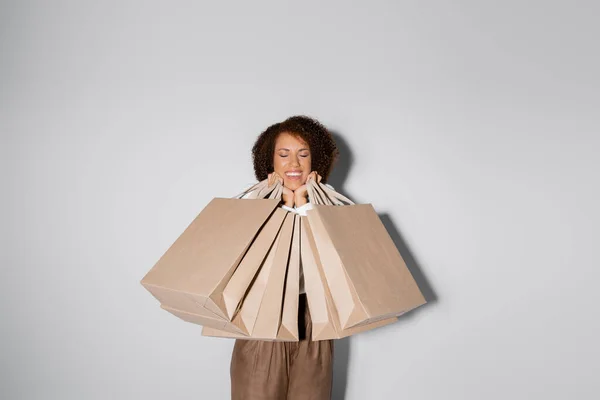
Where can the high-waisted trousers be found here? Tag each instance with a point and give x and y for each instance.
(268, 370)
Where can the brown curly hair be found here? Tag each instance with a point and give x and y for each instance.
(323, 150)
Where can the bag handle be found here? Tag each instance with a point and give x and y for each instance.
(320, 193)
(278, 192)
(250, 189)
(262, 190)
(338, 196)
(315, 195)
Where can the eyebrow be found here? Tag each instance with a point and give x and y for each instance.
(283, 148)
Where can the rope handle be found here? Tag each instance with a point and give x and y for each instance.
(262, 190)
(319, 193)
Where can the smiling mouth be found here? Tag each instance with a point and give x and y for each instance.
(294, 175)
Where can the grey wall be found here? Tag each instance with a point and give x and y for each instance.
(472, 127)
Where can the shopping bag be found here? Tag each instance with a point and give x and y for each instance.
(288, 328)
(261, 310)
(245, 317)
(367, 278)
(270, 309)
(205, 319)
(325, 320)
(242, 278)
(193, 273)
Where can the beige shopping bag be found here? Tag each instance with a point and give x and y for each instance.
(269, 311)
(367, 278)
(288, 328)
(242, 278)
(245, 317)
(214, 332)
(205, 319)
(325, 320)
(315, 286)
(193, 273)
(268, 317)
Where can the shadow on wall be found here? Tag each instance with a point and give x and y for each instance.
(337, 179)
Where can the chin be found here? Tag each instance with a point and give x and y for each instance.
(293, 185)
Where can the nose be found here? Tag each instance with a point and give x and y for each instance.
(295, 161)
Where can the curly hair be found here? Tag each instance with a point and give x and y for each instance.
(323, 150)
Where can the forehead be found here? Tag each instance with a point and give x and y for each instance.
(290, 141)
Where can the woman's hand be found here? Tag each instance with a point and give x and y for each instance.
(301, 194)
(288, 194)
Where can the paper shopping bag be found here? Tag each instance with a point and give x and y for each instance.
(324, 316)
(245, 317)
(288, 327)
(277, 325)
(192, 274)
(364, 271)
(269, 311)
(242, 278)
(268, 317)
(205, 319)
(214, 332)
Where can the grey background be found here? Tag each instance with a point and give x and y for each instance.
(472, 127)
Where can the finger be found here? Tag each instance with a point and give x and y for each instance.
(276, 177)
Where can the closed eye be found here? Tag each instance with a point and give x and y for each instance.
(301, 155)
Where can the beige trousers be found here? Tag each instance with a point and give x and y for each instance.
(267, 370)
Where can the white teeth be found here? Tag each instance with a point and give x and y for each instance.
(293, 173)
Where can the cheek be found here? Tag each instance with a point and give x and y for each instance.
(278, 164)
(306, 164)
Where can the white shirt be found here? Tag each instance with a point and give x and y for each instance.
(301, 211)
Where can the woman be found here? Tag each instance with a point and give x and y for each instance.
(290, 151)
